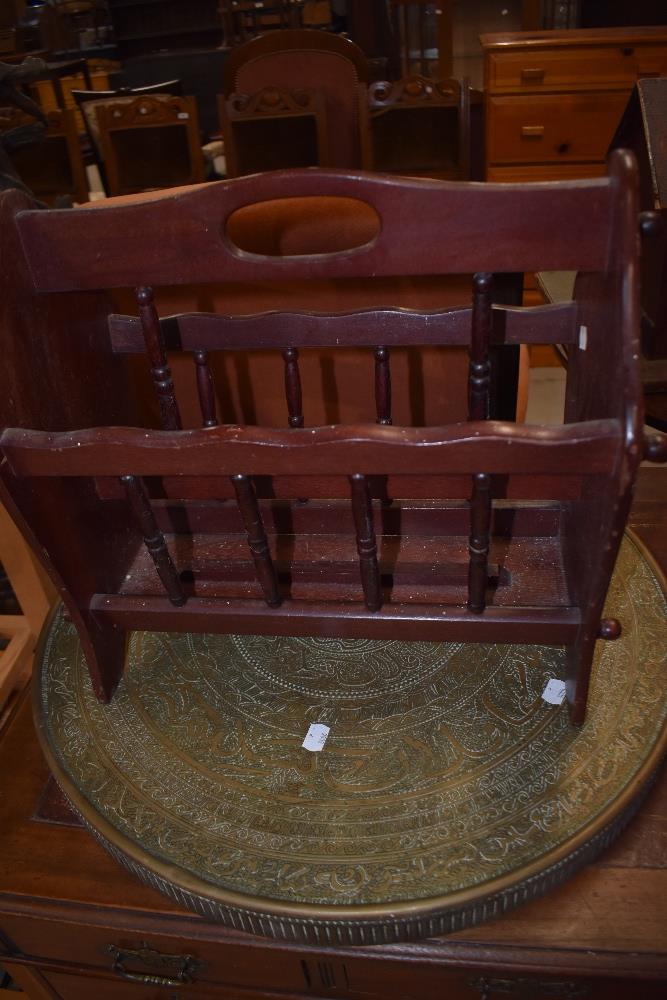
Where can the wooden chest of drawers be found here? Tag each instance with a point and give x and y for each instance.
(554, 98)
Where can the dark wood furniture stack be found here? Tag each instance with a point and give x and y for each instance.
(273, 129)
(86, 102)
(142, 26)
(421, 23)
(122, 564)
(73, 924)
(305, 59)
(418, 126)
(554, 98)
(243, 19)
(52, 167)
(149, 142)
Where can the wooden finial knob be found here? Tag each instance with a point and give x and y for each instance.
(650, 223)
(655, 448)
(610, 628)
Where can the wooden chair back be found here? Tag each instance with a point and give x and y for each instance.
(274, 129)
(418, 126)
(479, 531)
(308, 59)
(85, 101)
(149, 143)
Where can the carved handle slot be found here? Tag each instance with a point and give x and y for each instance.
(532, 131)
(532, 74)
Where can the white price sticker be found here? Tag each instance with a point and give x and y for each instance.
(316, 736)
(554, 692)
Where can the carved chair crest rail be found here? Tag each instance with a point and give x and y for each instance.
(482, 530)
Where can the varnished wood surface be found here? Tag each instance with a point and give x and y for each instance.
(584, 36)
(607, 923)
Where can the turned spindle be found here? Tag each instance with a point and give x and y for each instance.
(154, 540)
(157, 356)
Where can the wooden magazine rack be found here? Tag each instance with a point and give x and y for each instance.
(477, 531)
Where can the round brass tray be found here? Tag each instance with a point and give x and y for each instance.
(447, 792)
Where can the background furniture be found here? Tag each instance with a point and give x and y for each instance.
(274, 129)
(425, 32)
(418, 126)
(243, 19)
(199, 70)
(308, 59)
(85, 101)
(35, 594)
(147, 25)
(149, 142)
(73, 924)
(554, 99)
(55, 92)
(52, 166)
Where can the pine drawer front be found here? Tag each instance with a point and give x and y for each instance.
(520, 173)
(552, 128)
(574, 69)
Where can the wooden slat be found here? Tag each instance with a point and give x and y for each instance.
(15, 658)
(543, 228)
(550, 626)
(588, 449)
(545, 324)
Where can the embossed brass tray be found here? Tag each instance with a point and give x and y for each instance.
(447, 792)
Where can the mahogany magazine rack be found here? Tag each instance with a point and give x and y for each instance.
(479, 531)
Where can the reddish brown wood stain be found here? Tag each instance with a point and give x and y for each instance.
(356, 564)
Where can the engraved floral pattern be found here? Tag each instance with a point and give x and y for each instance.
(444, 769)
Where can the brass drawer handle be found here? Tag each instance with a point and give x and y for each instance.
(532, 75)
(170, 970)
(532, 131)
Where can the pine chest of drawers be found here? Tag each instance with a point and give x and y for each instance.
(554, 98)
